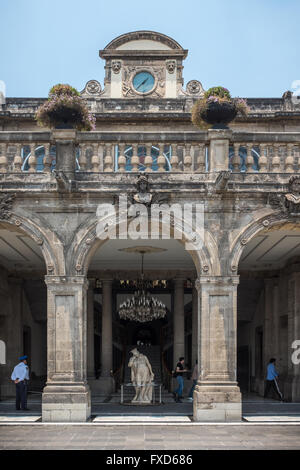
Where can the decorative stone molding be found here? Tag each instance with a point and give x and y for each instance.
(6, 202)
(251, 231)
(138, 35)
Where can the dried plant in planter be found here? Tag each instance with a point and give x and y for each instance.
(65, 109)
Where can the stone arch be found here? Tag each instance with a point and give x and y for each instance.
(250, 231)
(86, 243)
(51, 246)
(165, 40)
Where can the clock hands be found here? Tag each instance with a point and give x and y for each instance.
(142, 83)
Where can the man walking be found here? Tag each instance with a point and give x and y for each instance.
(20, 376)
(271, 381)
(177, 394)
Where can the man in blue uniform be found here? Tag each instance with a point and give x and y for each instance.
(20, 376)
(271, 381)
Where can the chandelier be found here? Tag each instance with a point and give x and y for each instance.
(142, 306)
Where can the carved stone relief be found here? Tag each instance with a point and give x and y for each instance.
(194, 87)
(130, 71)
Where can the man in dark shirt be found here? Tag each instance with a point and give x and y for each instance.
(177, 394)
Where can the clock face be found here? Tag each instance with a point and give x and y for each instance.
(143, 82)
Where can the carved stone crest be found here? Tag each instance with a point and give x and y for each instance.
(194, 87)
(6, 201)
(116, 66)
(92, 87)
(171, 65)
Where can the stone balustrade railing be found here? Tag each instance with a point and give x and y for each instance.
(187, 152)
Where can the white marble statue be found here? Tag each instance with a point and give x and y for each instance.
(141, 377)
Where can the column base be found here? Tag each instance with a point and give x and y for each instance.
(102, 386)
(217, 403)
(291, 388)
(66, 403)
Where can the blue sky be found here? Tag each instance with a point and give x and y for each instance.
(249, 46)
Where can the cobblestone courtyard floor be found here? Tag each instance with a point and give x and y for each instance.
(91, 437)
(267, 425)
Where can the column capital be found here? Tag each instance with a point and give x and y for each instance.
(217, 281)
(66, 281)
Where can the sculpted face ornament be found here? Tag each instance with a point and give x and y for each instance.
(143, 196)
(116, 66)
(171, 65)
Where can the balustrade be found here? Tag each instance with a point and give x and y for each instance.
(186, 152)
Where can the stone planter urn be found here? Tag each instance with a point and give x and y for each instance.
(219, 114)
(65, 118)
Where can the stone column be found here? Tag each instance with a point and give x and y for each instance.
(66, 396)
(106, 381)
(11, 329)
(268, 333)
(292, 388)
(178, 348)
(194, 326)
(90, 332)
(219, 149)
(217, 396)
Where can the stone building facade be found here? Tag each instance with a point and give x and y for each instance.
(232, 302)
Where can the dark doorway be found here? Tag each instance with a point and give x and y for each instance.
(243, 368)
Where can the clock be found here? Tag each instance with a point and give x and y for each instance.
(143, 82)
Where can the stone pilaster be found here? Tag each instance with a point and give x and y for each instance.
(106, 382)
(194, 326)
(65, 140)
(217, 396)
(66, 397)
(90, 332)
(292, 386)
(178, 348)
(11, 330)
(219, 149)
